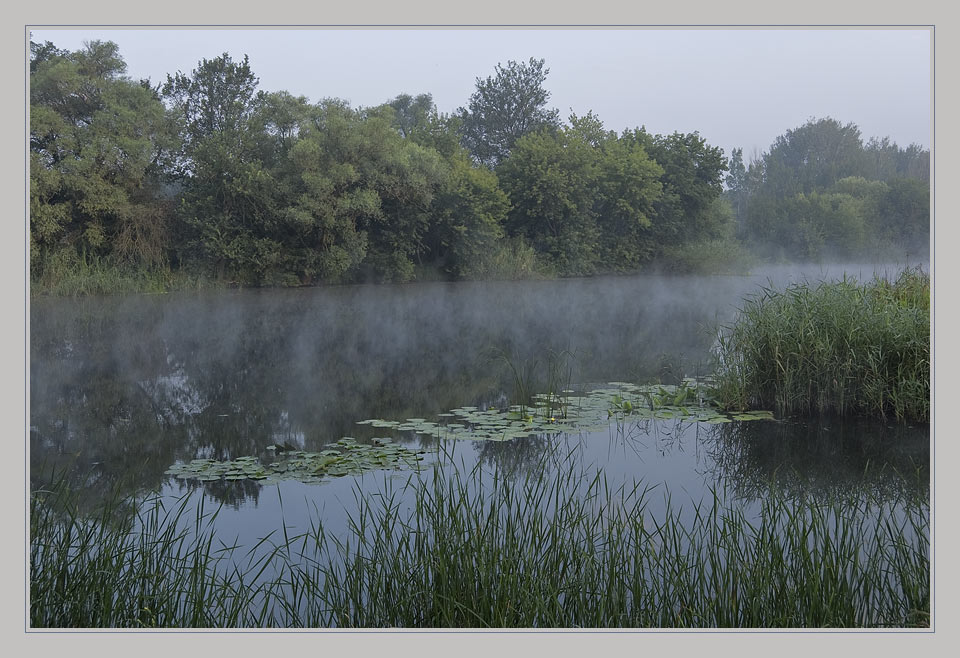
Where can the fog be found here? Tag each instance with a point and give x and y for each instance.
(122, 387)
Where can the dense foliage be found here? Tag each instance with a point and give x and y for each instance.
(820, 191)
(206, 177)
(98, 146)
(840, 347)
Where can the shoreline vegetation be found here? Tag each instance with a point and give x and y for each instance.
(473, 550)
(203, 180)
(73, 277)
(103, 278)
(841, 347)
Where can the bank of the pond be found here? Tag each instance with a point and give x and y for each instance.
(80, 278)
(74, 277)
(835, 347)
(474, 550)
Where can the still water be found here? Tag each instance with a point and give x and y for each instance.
(123, 387)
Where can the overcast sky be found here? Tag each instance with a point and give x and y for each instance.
(737, 88)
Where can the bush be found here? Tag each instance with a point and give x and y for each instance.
(712, 256)
(510, 258)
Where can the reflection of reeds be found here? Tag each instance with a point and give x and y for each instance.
(834, 347)
(551, 380)
(849, 460)
(475, 549)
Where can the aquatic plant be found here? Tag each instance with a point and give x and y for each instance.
(563, 549)
(345, 457)
(145, 568)
(547, 414)
(553, 383)
(839, 347)
(567, 411)
(571, 551)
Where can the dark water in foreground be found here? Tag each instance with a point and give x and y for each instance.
(121, 388)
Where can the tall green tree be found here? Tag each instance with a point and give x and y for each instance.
(277, 120)
(692, 180)
(903, 215)
(98, 145)
(551, 181)
(467, 225)
(583, 197)
(468, 209)
(228, 194)
(812, 157)
(412, 113)
(315, 224)
(884, 160)
(360, 198)
(505, 107)
(416, 118)
(820, 191)
(215, 100)
(738, 186)
(628, 190)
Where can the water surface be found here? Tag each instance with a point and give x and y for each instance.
(123, 387)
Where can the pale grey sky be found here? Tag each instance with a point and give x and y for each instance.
(738, 88)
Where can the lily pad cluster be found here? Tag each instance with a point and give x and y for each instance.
(345, 457)
(568, 411)
(475, 424)
(689, 401)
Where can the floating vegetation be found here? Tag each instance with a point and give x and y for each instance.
(568, 412)
(553, 413)
(345, 457)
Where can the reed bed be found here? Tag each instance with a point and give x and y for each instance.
(65, 277)
(478, 550)
(840, 347)
(136, 564)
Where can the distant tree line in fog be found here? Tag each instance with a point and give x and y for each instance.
(820, 191)
(204, 173)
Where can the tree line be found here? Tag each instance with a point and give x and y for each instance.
(821, 191)
(204, 173)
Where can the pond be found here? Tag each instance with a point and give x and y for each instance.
(124, 388)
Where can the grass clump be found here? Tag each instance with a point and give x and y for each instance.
(571, 551)
(707, 256)
(135, 564)
(68, 275)
(561, 549)
(839, 347)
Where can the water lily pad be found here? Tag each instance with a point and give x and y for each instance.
(570, 411)
(349, 458)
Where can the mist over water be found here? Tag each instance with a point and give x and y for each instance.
(123, 387)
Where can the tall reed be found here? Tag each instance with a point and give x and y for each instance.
(839, 347)
(154, 567)
(75, 277)
(477, 550)
(553, 375)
